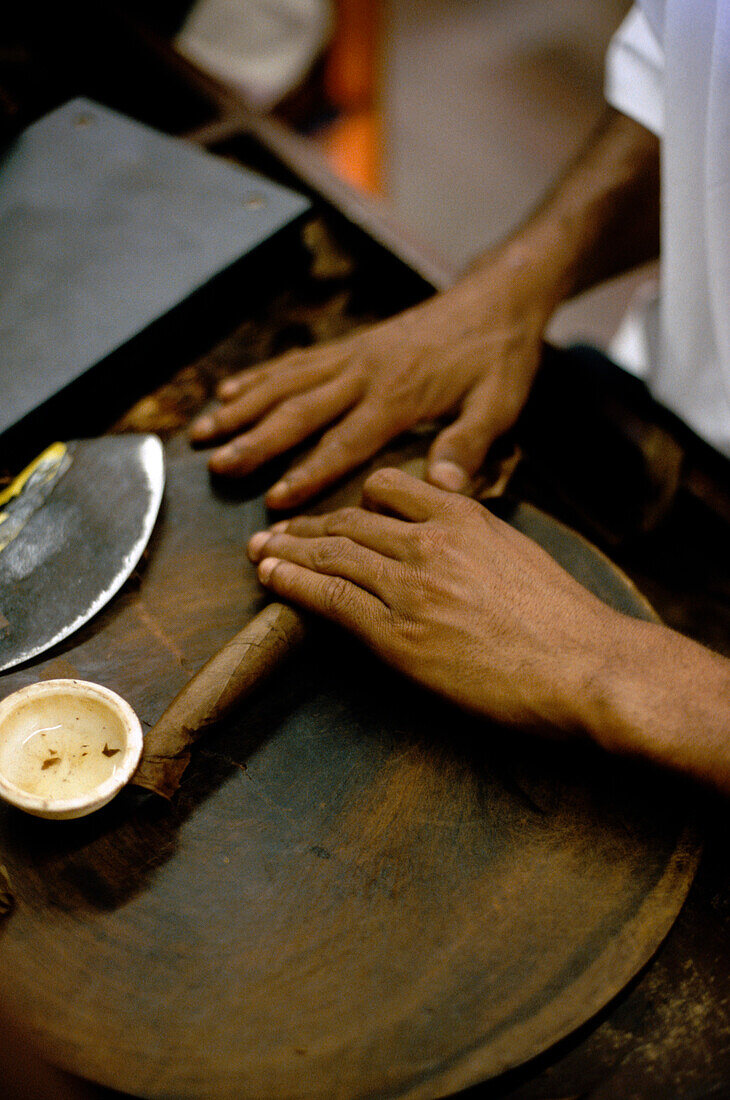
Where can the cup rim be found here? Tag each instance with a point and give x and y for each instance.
(105, 791)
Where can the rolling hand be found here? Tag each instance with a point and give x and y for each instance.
(449, 595)
(467, 606)
(471, 352)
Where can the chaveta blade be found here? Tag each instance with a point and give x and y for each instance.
(76, 545)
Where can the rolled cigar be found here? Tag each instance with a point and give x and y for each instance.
(220, 685)
(244, 662)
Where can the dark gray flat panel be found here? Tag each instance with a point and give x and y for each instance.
(105, 225)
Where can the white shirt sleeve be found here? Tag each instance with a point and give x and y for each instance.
(635, 72)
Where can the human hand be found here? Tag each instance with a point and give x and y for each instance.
(448, 594)
(471, 352)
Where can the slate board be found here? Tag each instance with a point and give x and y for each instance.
(105, 225)
(359, 891)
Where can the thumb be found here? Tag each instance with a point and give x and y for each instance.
(459, 450)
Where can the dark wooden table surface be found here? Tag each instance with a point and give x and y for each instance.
(667, 1033)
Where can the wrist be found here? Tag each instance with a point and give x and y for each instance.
(656, 694)
(530, 274)
(511, 287)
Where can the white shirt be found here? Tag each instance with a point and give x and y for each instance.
(668, 67)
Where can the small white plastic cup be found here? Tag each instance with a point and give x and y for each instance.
(67, 747)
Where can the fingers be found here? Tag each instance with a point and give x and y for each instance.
(250, 394)
(229, 418)
(302, 364)
(231, 388)
(350, 443)
(331, 555)
(458, 451)
(288, 424)
(335, 598)
(415, 500)
(383, 534)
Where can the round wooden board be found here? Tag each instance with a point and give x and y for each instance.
(359, 891)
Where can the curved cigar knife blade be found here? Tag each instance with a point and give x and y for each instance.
(73, 526)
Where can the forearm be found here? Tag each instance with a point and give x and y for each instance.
(470, 353)
(601, 219)
(660, 695)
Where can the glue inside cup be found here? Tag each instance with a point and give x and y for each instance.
(66, 747)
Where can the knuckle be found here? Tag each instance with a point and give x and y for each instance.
(259, 376)
(339, 522)
(378, 570)
(278, 545)
(455, 507)
(468, 515)
(328, 553)
(318, 464)
(412, 598)
(414, 393)
(342, 442)
(293, 408)
(357, 369)
(418, 591)
(382, 480)
(428, 540)
(274, 434)
(356, 433)
(412, 630)
(467, 506)
(336, 451)
(336, 595)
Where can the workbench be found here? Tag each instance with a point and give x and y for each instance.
(667, 1034)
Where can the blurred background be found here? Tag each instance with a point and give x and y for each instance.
(454, 114)
(451, 116)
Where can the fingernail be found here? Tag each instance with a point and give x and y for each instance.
(279, 491)
(448, 475)
(224, 457)
(266, 568)
(280, 526)
(256, 543)
(203, 426)
(227, 389)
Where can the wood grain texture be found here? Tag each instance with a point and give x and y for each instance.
(358, 891)
(670, 1026)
